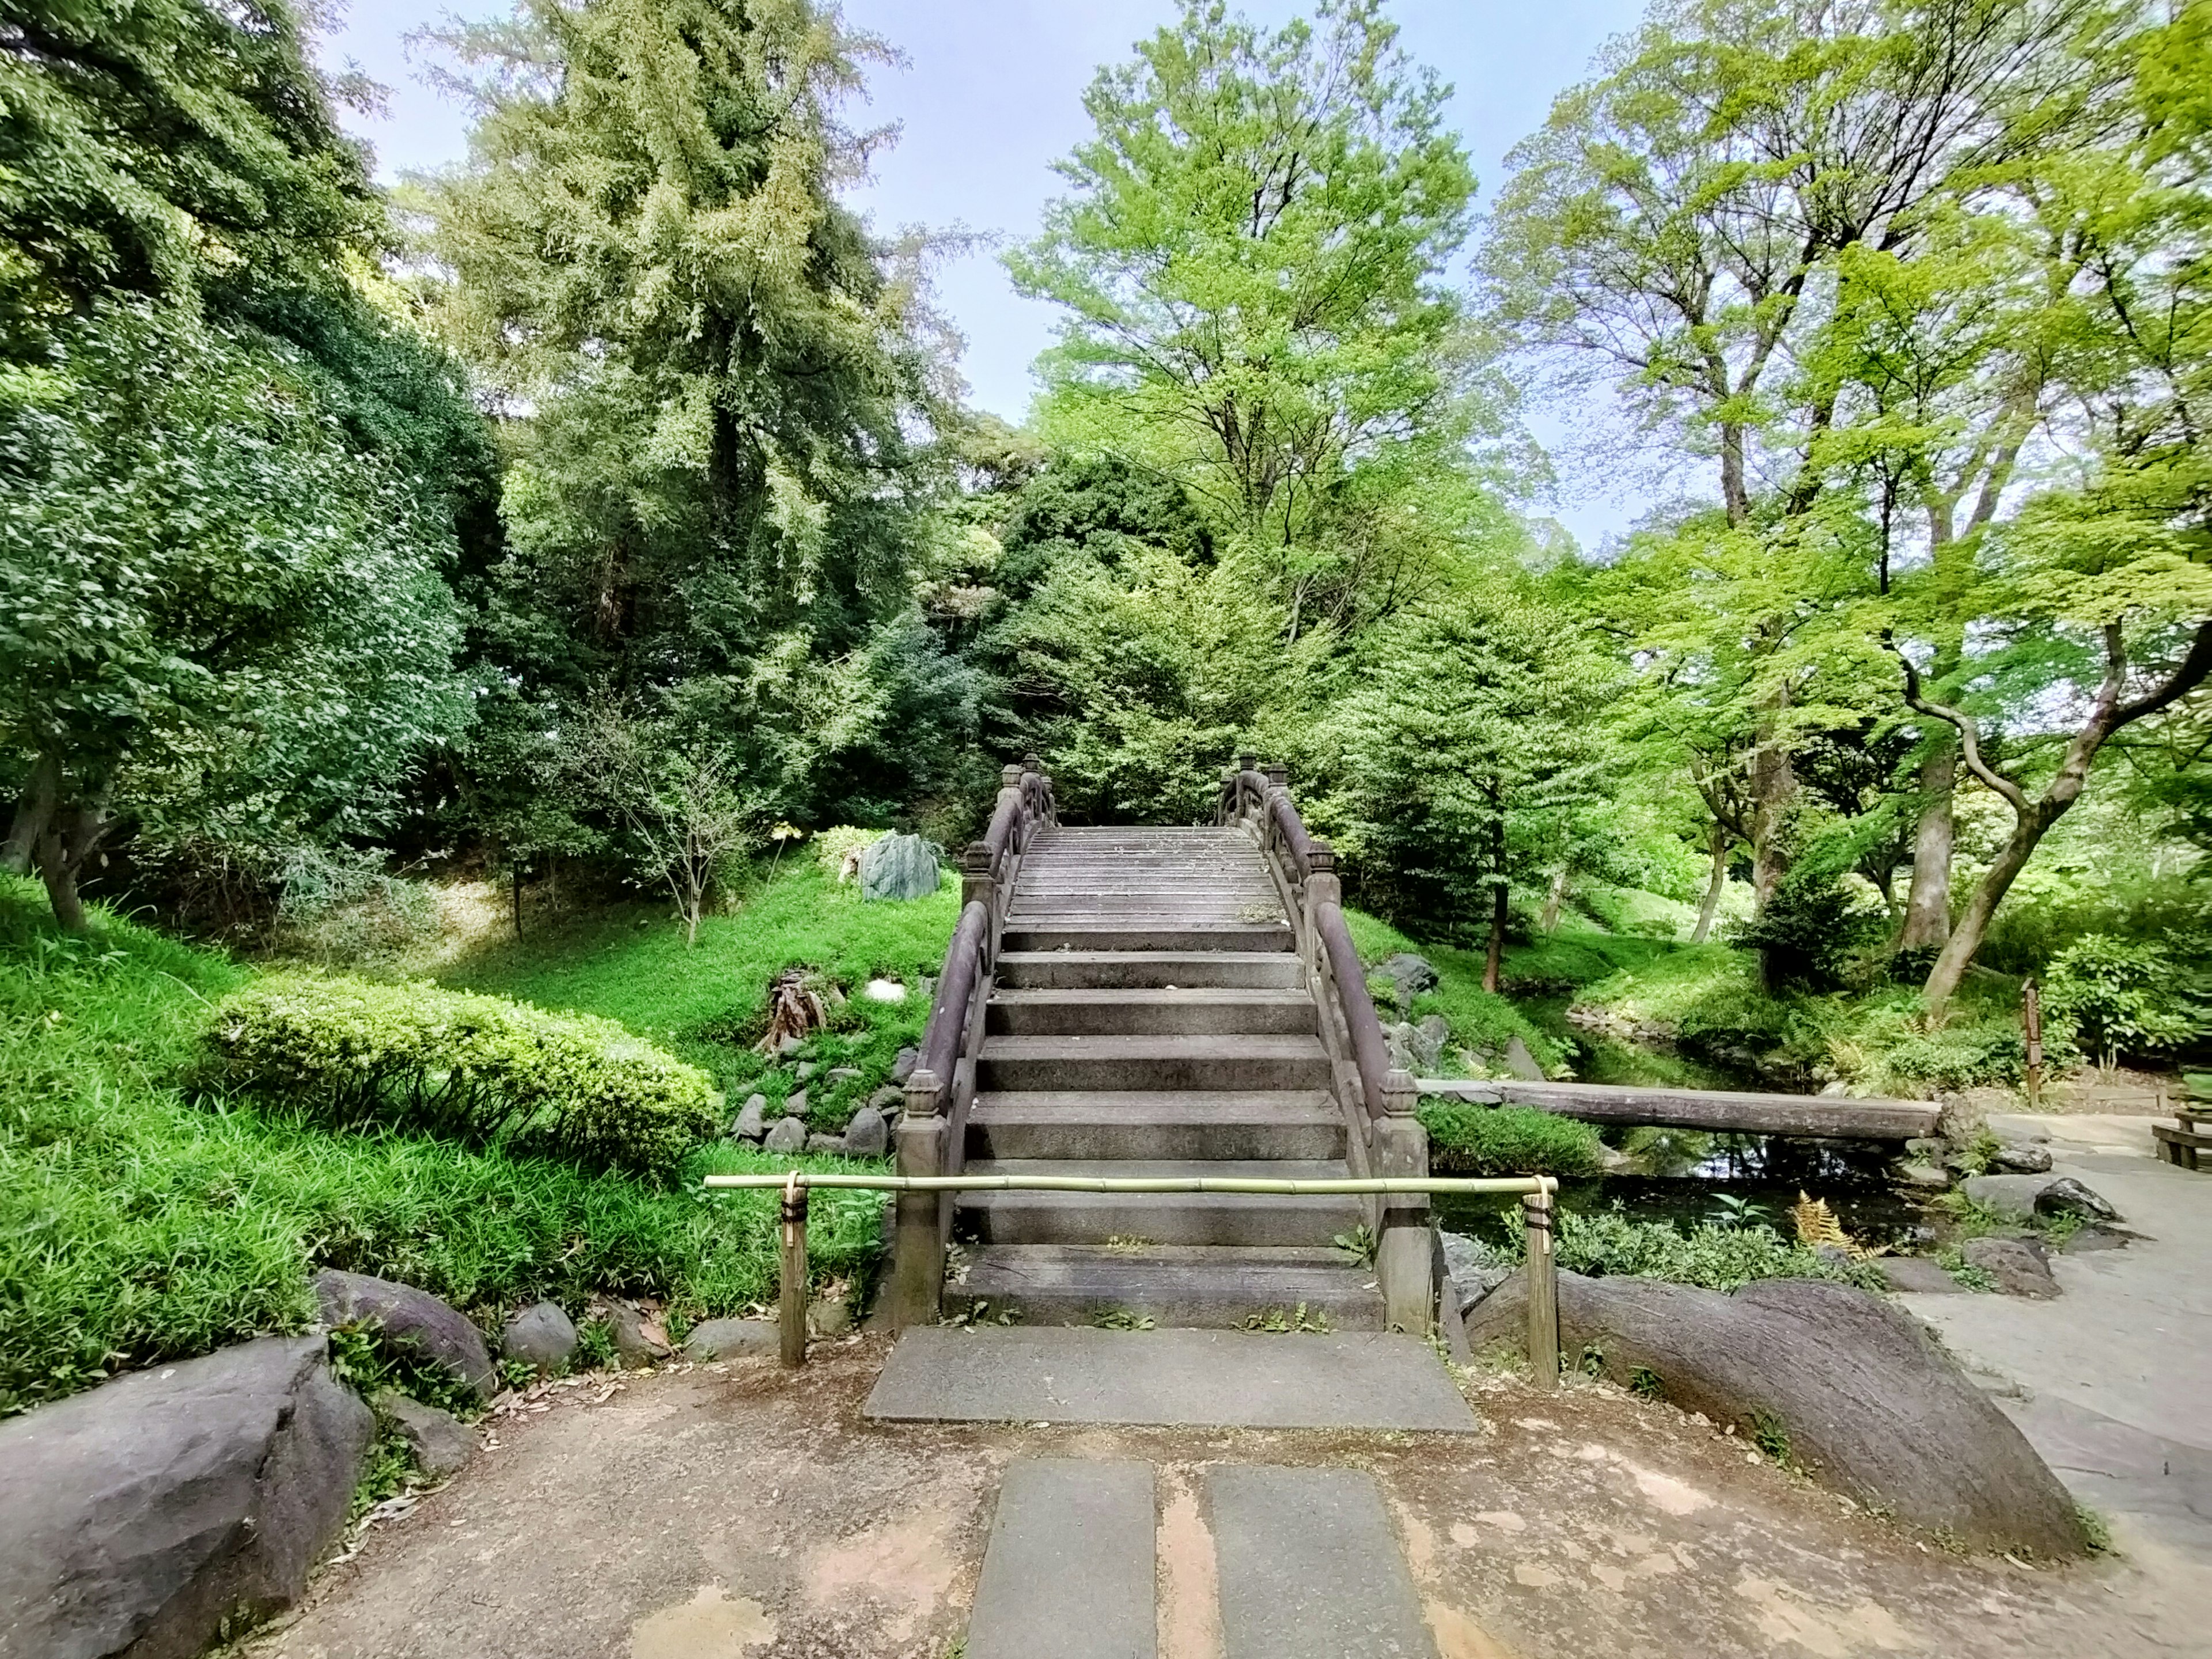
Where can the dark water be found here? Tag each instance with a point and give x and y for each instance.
(1684, 1177)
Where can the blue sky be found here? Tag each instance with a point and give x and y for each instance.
(991, 95)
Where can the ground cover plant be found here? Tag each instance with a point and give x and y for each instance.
(1470, 1139)
(136, 1225)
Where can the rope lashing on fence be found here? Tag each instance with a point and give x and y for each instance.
(1535, 1193)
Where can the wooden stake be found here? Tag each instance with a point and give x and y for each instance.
(2031, 1015)
(792, 1305)
(1543, 1291)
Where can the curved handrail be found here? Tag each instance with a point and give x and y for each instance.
(1368, 1051)
(1024, 803)
(1263, 798)
(956, 988)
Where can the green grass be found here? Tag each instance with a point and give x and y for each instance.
(137, 1226)
(1465, 1138)
(705, 1004)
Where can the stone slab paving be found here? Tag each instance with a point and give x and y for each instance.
(1068, 1573)
(2108, 1381)
(1230, 1379)
(1309, 1568)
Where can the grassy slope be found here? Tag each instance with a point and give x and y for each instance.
(137, 1226)
(704, 1003)
(1478, 1019)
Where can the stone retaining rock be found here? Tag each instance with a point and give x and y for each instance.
(412, 1322)
(786, 1135)
(2018, 1266)
(867, 1135)
(752, 1119)
(141, 1515)
(442, 1443)
(541, 1334)
(1872, 1407)
(734, 1338)
(1919, 1274)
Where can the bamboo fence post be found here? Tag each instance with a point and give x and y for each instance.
(791, 1303)
(1543, 1291)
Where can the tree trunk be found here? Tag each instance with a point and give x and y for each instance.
(1773, 788)
(1553, 899)
(1928, 904)
(518, 900)
(1499, 898)
(1493, 964)
(32, 814)
(1716, 884)
(69, 837)
(2028, 831)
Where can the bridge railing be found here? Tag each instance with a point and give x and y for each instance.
(1540, 1269)
(932, 1127)
(1378, 1101)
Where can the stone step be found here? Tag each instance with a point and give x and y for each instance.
(1184, 1286)
(1227, 1219)
(1073, 970)
(1069, 1124)
(1308, 1566)
(1069, 1570)
(1150, 1012)
(1165, 936)
(1181, 1064)
(1373, 1380)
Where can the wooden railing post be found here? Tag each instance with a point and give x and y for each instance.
(1543, 1285)
(917, 1282)
(791, 1298)
(1404, 1263)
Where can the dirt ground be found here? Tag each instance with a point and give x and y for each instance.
(744, 1512)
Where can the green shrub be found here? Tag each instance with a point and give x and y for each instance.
(2110, 995)
(1718, 1258)
(1466, 1138)
(354, 1054)
(1958, 1057)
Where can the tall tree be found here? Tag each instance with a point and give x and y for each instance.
(1251, 259)
(2093, 610)
(723, 389)
(1679, 223)
(147, 150)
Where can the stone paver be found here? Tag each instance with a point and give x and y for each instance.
(1245, 1379)
(1309, 1567)
(1068, 1573)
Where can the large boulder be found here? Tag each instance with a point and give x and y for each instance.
(898, 867)
(142, 1515)
(734, 1338)
(1871, 1405)
(411, 1322)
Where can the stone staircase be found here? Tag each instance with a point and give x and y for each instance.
(1150, 1017)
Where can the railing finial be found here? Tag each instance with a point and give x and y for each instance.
(1031, 763)
(1009, 776)
(1248, 762)
(1321, 856)
(1278, 774)
(1400, 1096)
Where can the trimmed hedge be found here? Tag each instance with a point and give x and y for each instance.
(354, 1053)
(1466, 1138)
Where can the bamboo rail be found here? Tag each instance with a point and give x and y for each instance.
(1535, 1193)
